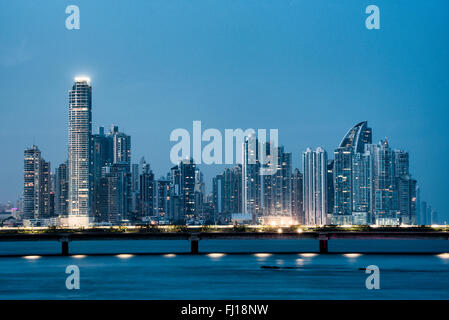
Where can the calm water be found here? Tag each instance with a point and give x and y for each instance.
(228, 276)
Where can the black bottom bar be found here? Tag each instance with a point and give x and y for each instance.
(227, 309)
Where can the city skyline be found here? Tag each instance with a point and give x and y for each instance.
(364, 184)
(269, 199)
(325, 93)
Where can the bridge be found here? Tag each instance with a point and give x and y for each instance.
(194, 237)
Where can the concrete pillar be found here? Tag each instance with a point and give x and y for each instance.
(323, 246)
(323, 238)
(194, 246)
(194, 240)
(65, 248)
(65, 245)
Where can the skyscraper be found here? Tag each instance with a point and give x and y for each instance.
(315, 186)
(353, 142)
(200, 190)
(182, 192)
(102, 152)
(401, 163)
(234, 176)
(38, 196)
(386, 209)
(251, 181)
(62, 190)
(113, 195)
(425, 214)
(102, 157)
(406, 189)
(434, 217)
(80, 153)
(32, 203)
(219, 197)
(330, 189)
(47, 194)
(162, 198)
(297, 197)
(147, 195)
(120, 171)
(362, 183)
(407, 199)
(135, 187)
(227, 193)
(121, 146)
(418, 204)
(276, 187)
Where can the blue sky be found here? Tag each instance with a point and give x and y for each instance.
(309, 68)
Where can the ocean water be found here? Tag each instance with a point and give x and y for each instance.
(227, 276)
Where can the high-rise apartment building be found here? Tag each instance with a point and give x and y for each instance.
(121, 146)
(386, 211)
(227, 194)
(113, 195)
(407, 200)
(406, 189)
(353, 143)
(37, 185)
(297, 197)
(330, 190)
(251, 180)
(276, 187)
(161, 200)
(62, 190)
(315, 186)
(147, 196)
(182, 192)
(362, 188)
(80, 158)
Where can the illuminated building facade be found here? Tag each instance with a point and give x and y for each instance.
(315, 186)
(80, 153)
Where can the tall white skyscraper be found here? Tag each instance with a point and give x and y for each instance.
(315, 186)
(80, 157)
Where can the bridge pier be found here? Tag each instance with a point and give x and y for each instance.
(194, 244)
(64, 246)
(323, 238)
(323, 246)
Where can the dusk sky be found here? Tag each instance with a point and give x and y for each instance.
(308, 68)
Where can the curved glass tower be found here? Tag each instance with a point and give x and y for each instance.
(353, 143)
(357, 137)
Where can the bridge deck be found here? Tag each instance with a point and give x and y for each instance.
(195, 237)
(80, 236)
